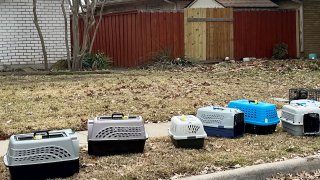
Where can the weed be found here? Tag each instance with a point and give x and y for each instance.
(165, 60)
(280, 51)
(96, 61)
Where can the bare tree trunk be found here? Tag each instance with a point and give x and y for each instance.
(36, 22)
(66, 34)
(87, 26)
(97, 27)
(88, 8)
(75, 29)
(89, 22)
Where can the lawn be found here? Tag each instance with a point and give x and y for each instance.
(31, 103)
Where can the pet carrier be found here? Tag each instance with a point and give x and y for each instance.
(259, 117)
(187, 132)
(116, 134)
(305, 102)
(301, 93)
(299, 119)
(43, 154)
(219, 121)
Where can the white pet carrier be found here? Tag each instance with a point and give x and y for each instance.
(187, 132)
(116, 134)
(43, 154)
(305, 102)
(300, 119)
(220, 121)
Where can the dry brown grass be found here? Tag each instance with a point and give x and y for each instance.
(162, 160)
(298, 176)
(48, 102)
(31, 103)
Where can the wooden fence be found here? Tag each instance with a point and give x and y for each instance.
(257, 31)
(134, 38)
(208, 33)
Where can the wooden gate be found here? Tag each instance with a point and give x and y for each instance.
(208, 33)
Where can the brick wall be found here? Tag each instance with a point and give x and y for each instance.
(311, 13)
(19, 41)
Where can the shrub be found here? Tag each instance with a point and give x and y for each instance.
(280, 51)
(164, 58)
(87, 61)
(96, 61)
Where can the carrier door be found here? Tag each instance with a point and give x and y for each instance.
(238, 124)
(311, 123)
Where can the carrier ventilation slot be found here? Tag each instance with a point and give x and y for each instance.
(119, 132)
(288, 116)
(211, 118)
(191, 129)
(41, 154)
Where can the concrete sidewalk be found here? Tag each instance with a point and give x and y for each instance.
(154, 130)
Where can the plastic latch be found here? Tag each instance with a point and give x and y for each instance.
(37, 137)
(183, 118)
(125, 117)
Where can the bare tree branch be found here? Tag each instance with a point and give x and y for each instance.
(66, 33)
(97, 27)
(82, 6)
(89, 21)
(36, 22)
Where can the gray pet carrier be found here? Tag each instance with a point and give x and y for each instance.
(116, 134)
(301, 120)
(223, 122)
(43, 154)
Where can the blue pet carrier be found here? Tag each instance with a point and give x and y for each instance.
(259, 117)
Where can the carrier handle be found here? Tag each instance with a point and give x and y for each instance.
(301, 104)
(117, 114)
(38, 132)
(253, 101)
(218, 108)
